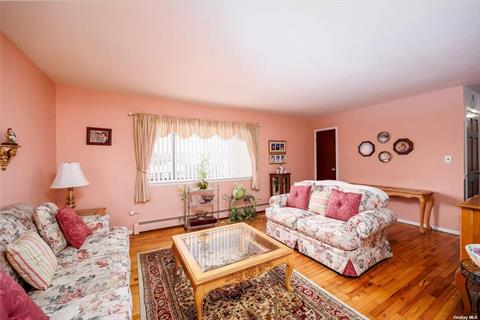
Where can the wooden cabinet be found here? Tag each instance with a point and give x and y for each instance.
(279, 183)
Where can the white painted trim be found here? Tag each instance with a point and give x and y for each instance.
(442, 229)
(337, 174)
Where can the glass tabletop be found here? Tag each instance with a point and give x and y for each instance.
(219, 247)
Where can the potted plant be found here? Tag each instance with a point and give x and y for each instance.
(202, 174)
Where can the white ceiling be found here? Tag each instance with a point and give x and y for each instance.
(301, 57)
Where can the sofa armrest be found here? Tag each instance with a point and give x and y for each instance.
(370, 222)
(278, 201)
(99, 224)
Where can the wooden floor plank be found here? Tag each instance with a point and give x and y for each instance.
(417, 283)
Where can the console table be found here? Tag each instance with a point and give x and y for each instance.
(425, 198)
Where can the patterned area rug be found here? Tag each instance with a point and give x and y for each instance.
(166, 295)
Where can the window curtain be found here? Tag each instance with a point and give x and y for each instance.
(148, 127)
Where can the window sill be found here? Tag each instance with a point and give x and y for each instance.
(180, 183)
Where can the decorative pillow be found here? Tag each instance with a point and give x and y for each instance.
(318, 201)
(33, 259)
(343, 205)
(47, 226)
(98, 224)
(15, 303)
(73, 227)
(298, 197)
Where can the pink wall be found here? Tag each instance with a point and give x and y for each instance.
(434, 122)
(111, 170)
(27, 104)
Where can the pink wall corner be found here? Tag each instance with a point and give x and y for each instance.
(111, 170)
(27, 105)
(434, 122)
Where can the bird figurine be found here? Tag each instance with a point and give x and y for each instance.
(10, 136)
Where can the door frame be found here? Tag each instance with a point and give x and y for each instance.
(315, 151)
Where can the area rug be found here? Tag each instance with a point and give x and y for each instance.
(165, 294)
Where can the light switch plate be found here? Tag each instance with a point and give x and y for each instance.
(447, 159)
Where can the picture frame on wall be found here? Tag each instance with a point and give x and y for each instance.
(277, 146)
(99, 136)
(278, 158)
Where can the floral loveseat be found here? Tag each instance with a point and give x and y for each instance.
(92, 282)
(350, 248)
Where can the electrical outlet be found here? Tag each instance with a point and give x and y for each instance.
(447, 159)
(132, 212)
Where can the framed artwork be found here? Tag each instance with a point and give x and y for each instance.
(403, 146)
(278, 158)
(384, 156)
(383, 137)
(277, 146)
(99, 136)
(366, 148)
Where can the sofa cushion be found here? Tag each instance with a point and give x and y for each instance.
(15, 303)
(98, 224)
(343, 205)
(287, 216)
(33, 259)
(318, 201)
(14, 221)
(44, 218)
(73, 227)
(298, 197)
(331, 231)
(96, 246)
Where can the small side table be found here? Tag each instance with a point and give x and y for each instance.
(468, 274)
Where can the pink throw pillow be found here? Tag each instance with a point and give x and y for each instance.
(343, 205)
(15, 303)
(298, 197)
(73, 227)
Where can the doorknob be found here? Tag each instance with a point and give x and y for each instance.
(333, 169)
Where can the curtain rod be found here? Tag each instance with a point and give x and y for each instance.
(131, 114)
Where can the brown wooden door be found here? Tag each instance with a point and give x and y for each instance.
(325, 142)
(472, 178)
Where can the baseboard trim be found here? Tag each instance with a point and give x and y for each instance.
(442, 229)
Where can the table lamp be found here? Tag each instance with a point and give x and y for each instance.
(69, 175)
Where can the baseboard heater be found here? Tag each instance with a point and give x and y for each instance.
(154, 224)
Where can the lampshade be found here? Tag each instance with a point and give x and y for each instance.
(69, 175)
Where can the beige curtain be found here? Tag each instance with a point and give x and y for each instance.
(144, 135)
(146, 125)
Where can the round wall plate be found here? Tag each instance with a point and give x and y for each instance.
(403, 146)
(383, 137)
(384, 156)
(366, 148)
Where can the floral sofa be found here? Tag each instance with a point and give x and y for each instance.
(350, 248)
(92, 282)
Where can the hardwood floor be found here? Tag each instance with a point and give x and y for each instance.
(417, 283)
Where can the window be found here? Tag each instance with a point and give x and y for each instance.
(176, 159)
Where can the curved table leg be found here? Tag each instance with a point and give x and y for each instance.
(422, 214)
(430, 204)
(288, 274)
(461, 282)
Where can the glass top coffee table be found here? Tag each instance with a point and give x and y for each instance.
(220, 256)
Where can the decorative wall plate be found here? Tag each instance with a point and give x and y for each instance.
(383, 137)
(384, 156)
(403, 146)
(366, 148)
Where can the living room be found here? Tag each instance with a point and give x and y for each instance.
(147, 101)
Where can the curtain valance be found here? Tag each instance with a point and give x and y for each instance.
(148, 127)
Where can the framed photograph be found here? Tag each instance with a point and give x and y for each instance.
(277, 159)
(277, 146)
(403, 146)
(99, 136)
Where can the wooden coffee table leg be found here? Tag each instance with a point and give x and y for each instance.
(422, 213)
(199, 293)
(429, 211)
(288, 274)
(176, 257)
(461, 282)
